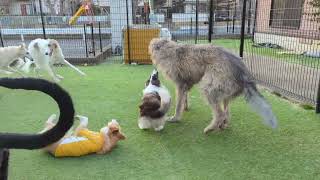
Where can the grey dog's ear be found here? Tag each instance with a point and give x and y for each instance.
(36, 45)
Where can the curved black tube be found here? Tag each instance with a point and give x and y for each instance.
(37, 141)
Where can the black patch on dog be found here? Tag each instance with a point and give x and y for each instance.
(150, 106)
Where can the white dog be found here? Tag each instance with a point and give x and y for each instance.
(155, 104)
(46, 53)
(13, 55)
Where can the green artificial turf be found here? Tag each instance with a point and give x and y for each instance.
(246, 150)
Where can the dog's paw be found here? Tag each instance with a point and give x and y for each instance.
(51, 119)
(57, 80)
(207, 130)
(141, 126)
(59, 76)
(8, 72)
(214, 128)
(159, 128)
(173, 119)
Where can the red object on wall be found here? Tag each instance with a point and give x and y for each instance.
(146, 8)
(23, 9)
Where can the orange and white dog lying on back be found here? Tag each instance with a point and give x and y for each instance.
(83, 141)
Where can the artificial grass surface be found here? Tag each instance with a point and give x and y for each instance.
(247, 150)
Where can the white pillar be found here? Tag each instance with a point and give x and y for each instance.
(118, 17)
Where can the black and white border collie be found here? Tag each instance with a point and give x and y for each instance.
(155, 104)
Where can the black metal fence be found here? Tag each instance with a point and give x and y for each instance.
(24, 21)
(278, 39)
(282, 50)
(104, 30)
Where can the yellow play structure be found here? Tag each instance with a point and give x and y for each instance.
(140, 37)
(86, 7)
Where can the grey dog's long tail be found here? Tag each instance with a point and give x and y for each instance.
(36, 141)
(259, 104)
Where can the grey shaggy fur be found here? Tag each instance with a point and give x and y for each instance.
(221, 76)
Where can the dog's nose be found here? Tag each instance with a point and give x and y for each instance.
(46, 54)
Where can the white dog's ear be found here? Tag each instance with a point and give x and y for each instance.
(36, 45)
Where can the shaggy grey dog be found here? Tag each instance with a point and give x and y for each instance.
(221, 76)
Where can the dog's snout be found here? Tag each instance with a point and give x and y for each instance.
(46, 53)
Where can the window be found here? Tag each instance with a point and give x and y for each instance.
(26, 9)
(286, 13)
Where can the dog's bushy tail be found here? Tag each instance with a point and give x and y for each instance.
(64, 101)
(259, 104)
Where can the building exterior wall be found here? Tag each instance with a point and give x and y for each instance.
(304, 38)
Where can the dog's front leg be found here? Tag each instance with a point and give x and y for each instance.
(15, 71)
(54, 71)
(36, 71)
(52, 74)
(6, 72)
(181, 95)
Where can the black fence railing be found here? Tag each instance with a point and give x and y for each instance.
(283, 52)
(279, 41)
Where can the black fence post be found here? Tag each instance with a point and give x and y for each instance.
(228, 7)
(42, 20)
(210, 31)
(234, 15)
(197, 21)
(100, 37)
(85, 39)
(243, 24)
(1, 38)
(254, 21)
(249, 18)
(92, 41)
(4, 163)
(191, 27)
(318, 99)
(128, 32)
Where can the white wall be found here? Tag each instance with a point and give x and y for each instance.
(118, 17)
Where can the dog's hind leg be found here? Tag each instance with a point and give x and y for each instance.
(186, 105)
(181, 95)
(226, 112)
(217, 122)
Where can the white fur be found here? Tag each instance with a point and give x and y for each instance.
(45, 57)
(156, 124)
(9, 55)
(162, 91)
